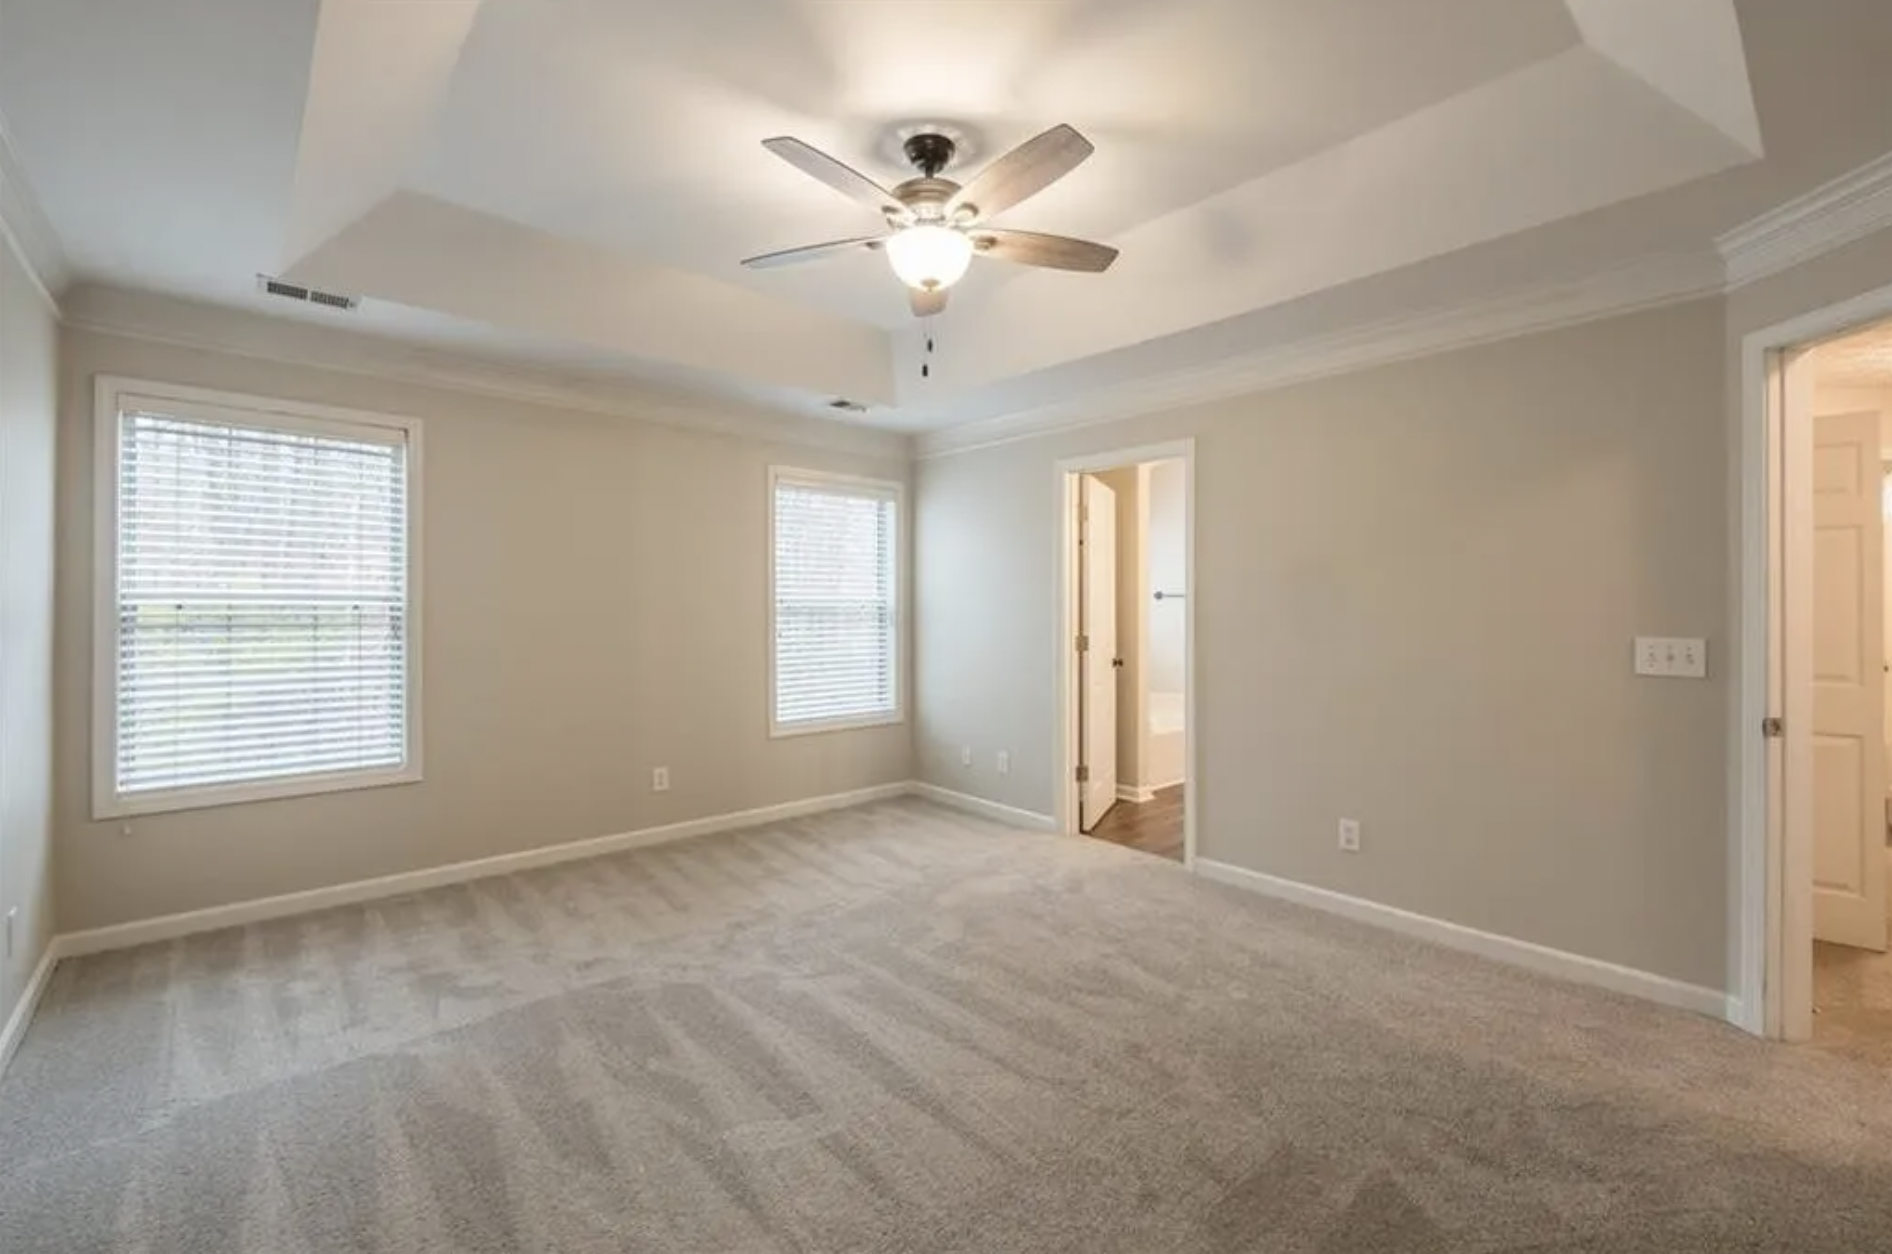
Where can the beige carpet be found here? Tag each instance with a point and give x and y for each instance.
(900, 1029)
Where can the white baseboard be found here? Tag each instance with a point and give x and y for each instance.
(1540, 958)
(172, 926)
(15, 1030)
(985, 809)
(1143, 794)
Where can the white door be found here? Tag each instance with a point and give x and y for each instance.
(1096, 661)
(1849, 855)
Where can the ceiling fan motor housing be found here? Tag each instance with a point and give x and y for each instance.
(925, 198)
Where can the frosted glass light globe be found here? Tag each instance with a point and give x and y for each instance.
(929, 258)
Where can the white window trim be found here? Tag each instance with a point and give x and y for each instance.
(895, 491)
(111, 396)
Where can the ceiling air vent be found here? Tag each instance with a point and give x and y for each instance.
(307, 295)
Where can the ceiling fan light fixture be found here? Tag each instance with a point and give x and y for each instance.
(936, 225)
(929, 258)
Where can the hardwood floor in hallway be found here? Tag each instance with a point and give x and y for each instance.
(1154, 827)
(1852, 1001)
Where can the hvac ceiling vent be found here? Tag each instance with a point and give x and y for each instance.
(307, 295)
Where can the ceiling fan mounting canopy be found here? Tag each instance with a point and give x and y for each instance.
(936, 225)
(930, 152)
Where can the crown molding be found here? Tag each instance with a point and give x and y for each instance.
(1831, 216)
(27, 230)
(181, 323)
(1650, 283)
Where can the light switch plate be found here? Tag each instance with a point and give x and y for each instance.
(1672, 657)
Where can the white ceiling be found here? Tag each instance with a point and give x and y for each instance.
(573, 181)
(1862, 360)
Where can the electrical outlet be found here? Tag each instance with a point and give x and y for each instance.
(1672, 657)
(1005, 762)
(1350, 835)
(965, 755)
(660, 779)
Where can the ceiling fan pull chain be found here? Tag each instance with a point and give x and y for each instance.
(926, 366)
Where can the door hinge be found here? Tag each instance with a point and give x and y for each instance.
(1083, 774)
(1773, 728)
(1083, 644)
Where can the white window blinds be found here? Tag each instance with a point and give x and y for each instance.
(261, 602)
(836, 603)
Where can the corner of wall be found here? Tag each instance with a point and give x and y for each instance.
(28, 434)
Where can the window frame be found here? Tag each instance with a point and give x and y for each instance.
(886, 489)
(113, 395)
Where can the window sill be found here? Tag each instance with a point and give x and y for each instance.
(108, 805)
(783, 731)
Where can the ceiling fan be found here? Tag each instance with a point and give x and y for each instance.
(935, 226)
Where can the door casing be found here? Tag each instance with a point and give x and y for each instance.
(1770, 806)
(1064, 656)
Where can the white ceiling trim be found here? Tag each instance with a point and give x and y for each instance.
(27, 229)
(1647, 284)
(1847, 209)
(190, 324)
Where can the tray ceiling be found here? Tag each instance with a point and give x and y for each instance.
(587, 173)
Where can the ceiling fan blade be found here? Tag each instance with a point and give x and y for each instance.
(842, 178)
(926, 304)
(811, 252)
(1054, 252)
(1024, 171)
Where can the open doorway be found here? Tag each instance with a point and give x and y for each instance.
(1850, 380)
(1811, 750)
(1126, 713)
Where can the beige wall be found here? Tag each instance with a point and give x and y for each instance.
(1416, 590)
(28, 414)
(1415, 593)
(595, 606)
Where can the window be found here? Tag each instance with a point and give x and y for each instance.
(836, 604)
(256, 627)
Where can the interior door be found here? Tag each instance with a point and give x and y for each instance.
(1097, 674)
(1849, 850)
